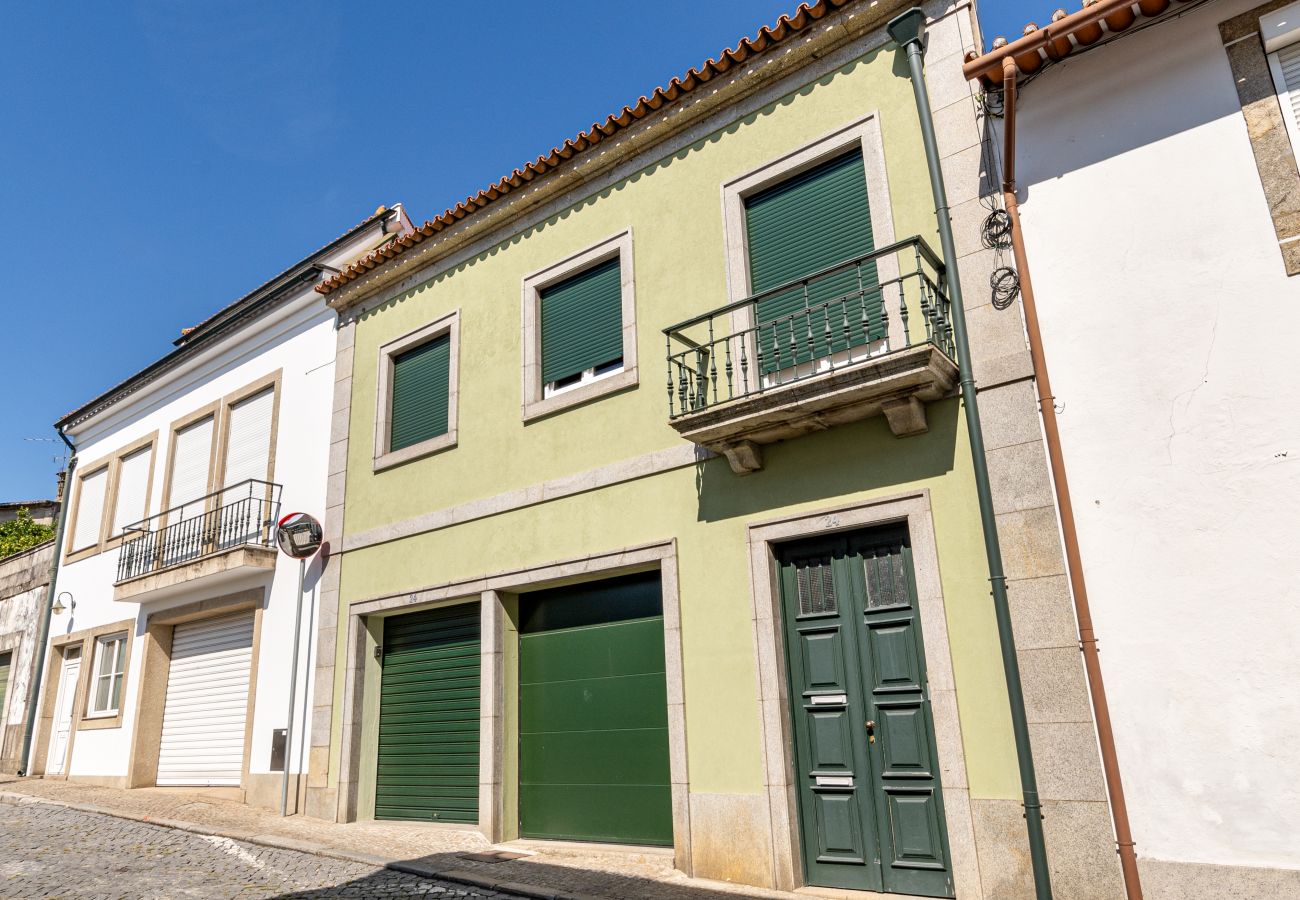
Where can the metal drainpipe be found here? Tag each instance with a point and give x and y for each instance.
(907, 29)
(1069, 533)
(44, 638)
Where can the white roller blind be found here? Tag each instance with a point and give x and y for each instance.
(90, 510)
(1285, 64)
(190, 463)
(248, 445)
(132, 485)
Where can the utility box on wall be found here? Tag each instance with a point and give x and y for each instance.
(277, 749)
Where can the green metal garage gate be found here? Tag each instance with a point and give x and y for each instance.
(593, 713)
(428, 716)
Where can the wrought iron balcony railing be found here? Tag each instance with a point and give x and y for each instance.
(880, 303)
(240, 515)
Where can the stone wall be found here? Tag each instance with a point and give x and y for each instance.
(23, 582)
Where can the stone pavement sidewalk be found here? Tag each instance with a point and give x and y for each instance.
(546, 871)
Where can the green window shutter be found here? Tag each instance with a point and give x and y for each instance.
(582, 322)
(805, 224)
(421, 392)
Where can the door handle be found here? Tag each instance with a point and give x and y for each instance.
(871, 730)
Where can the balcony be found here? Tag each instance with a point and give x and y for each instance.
(218, 537)
(870, 336)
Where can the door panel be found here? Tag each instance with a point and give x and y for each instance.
(838, 821)
(839, 829)
(57, 759)
(871, 808)
(593, 714)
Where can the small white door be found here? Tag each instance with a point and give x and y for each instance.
(207, 702)
(57, 760)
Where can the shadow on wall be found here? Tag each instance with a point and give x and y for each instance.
(495, 880)
(843, 460)
(1171, 90)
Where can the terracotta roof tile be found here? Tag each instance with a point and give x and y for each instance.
(1036, 47)
(767, 38)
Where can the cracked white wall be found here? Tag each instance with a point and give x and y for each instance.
(1170, 331)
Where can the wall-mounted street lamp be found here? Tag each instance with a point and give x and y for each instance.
(58, 606)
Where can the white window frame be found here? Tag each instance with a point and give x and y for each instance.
(863, 133)
(544, 399)
(102, 642)
(383, 457)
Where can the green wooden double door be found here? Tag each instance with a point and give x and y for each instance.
(870, 805)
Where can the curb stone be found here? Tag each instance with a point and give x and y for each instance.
(460, 876)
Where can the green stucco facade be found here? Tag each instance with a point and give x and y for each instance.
(673, 207)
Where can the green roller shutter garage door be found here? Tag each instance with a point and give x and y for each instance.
(593, 714)
(428, 717)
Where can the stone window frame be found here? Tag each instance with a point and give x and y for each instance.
(912, 509)
(272, 381)
(535, 404)
(207, 411)
(84, 639)
(73, 553)
(1266, 128)
(864, 133)
(106, 540)
(219, 411)
(384, 458)
(98, 646)
(149, 441)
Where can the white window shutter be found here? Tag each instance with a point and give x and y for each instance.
(190, 463)
(1285, 65)
(248, 444)
(90, 510)
(132, 484)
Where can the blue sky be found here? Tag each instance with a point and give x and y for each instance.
(160, 159)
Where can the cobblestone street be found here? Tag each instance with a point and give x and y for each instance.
(50, 851)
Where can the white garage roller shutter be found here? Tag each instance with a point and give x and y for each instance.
(207, 702)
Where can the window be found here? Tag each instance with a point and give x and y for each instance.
(90, 511)
(191, 468)
(810, 222)
(815, 208)
(1281, 32)
(580, 328)
(1260, 43)
(416, 412)
(110, 668)
(132, 501)
(248, 438)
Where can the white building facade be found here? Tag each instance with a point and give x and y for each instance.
(173, 638)
(1160, 203)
